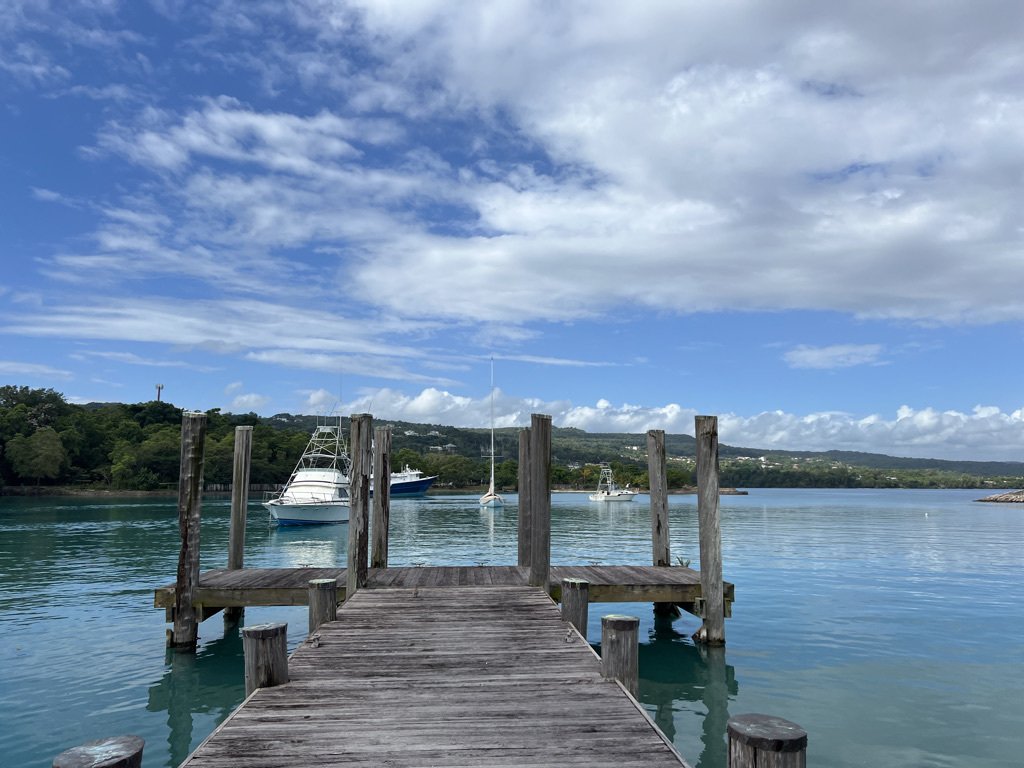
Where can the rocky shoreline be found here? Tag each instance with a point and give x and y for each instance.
(1013, 497)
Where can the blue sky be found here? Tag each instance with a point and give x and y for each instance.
(804, 217)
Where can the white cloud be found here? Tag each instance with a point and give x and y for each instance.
(834, 356)
(248, 402)
(130, 358)
(322, 402)
(14, 368)
(986, 433)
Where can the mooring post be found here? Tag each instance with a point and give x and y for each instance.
(620, 650)
(540, 500)
(659, 497)
(525, 519)
(712, 631)
(190, 501)
(361, 431)
(381, 496)
(239, 505)
(265, 647)
(576, 603)
(323, 602)
(114, 752)
(756, 740)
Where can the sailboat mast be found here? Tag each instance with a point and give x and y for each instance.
(492, 425)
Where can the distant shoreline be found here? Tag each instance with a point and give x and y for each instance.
(64, 490)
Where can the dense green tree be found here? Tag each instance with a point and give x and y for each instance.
(41, 456)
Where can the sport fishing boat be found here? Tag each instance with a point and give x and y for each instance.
(607, 490)
(317, 491)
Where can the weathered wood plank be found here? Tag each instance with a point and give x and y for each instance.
(464, 676)
(289, 586)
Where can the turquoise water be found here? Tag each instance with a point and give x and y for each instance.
(888, 624)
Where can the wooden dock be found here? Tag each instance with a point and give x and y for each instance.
(245, 587)
(430, 675)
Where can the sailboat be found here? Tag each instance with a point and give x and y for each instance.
(491, 498)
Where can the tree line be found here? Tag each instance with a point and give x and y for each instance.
(44, 440)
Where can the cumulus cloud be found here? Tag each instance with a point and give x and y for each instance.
(249, 402)
(984, 433)
(690, 141)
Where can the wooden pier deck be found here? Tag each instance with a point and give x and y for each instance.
(430, 675)
(289, 586)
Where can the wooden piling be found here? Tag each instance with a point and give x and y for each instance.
(190, 500)
(712, 598)
(361, 432)
(620, 641)
(661, 552)
(114, 752)
(576, 603)
(239, 506)
(266, 655)
(540, 500)
(381, 496)
(525, 519)
(656, 473)
(764, 740)
(323, 602)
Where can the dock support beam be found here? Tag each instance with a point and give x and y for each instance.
(361, 431)
(540, 500)
(115, 752)
(620, 650)
(190, 501)
(239, 505)
(323, 602)
(712, 601)
(266, 655)
(525, 518)
(381, 496)
(756, 740)
(576, 604)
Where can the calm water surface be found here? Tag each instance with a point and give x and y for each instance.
(888, 624)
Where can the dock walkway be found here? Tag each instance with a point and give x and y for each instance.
(428, 675)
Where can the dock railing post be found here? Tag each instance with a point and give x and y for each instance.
(239, 505)
(190, 501)
(265, 647)
(381, 496)
(712, 631)
(540, 500)
(765, 740)
(323, 602)
(115, 752)
(361, 431)
(525, 519)
(620, 650)
(576, 604)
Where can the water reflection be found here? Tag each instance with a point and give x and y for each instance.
(210, 682)
(310, 546)
(673, 671)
